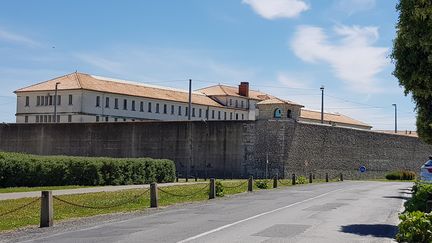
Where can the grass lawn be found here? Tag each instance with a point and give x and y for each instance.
(43, 188)
(114, 202)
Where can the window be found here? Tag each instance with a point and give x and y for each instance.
(70, 99)
(149, 107)
(186, 111)
(207, 113)
(213, 114)
(46, 100)
(225, 117)
(236, 103)
(200, 112)
(42, 100)
(69, 118)
(124, 119)
(26, 119)
(125, 104)
(142, 106)
(107, 103)
(97, 118)
(116, 119)
(236, 116)
(242, 104)
(157, 107)
(38, 101)
(277, 113)
(179, 110)
(41, 119)
(230, 115)
(58, 99)
(165, 108)
(115, 103)
(172, 109)
(289, 114)
(49, 119)
(193, 112)
(97, 101)
(27, 102)
(133, 105)
(45, 118)
(106, 119)
(58, 118)
(37, 119)
(230, 102)
(50, 100)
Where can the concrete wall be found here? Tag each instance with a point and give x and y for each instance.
(227, 148)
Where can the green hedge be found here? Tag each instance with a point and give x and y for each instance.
(401, 175)
(419, 197)
(31, 170)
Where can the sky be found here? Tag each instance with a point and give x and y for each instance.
(287, 48)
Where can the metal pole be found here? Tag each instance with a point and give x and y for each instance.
(395, 117)
(190, 100)
(322, 104)
(267, 162)
(55, 102)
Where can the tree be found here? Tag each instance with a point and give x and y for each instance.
(412, 55)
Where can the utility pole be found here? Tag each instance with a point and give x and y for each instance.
(55, 102)
(190, 100)
(322, 104)
(395, 116)
(267, 163)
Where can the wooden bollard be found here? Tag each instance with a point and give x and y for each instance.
(250, 184)
(153, 195)
(196, 178)
(341, 177)
(46, 214)
(293, 179)
(187, 178)
(327, 178)
(212, 192)
(310, 178)
(275, 181)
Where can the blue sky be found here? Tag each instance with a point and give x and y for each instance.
(288, 48)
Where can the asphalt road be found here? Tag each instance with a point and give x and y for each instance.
(331, 212)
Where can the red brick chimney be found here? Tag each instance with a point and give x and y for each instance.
(244, 89)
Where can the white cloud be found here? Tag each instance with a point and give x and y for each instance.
(292, 81)
(11, 37)
(273, 9)
(354, 6)
(352, 56)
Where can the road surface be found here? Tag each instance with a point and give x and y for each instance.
(332, 212)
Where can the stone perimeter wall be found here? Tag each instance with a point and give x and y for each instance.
(228, 149)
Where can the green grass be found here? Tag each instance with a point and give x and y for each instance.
(62, 211)
(43, 188)
(386, 180)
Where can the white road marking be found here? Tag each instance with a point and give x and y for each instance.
(254, 217)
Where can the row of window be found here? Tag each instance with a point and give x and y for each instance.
(47, 100)
(195, 112)
(236, 103)
(98, 118)
(47, 119)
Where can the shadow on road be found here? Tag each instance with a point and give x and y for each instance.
(398, 197)
(376, 230)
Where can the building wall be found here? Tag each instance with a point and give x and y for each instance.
(266, 111)
(228, 148)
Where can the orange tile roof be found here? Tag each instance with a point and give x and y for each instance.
(217, 90)
(277, 101)
(331, 117)
(95, 83)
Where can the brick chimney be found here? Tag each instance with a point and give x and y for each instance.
(244, 89)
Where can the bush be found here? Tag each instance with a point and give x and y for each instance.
(219, 189)
(301, 180)
(415, 227)
(401, 175)
(262, 184)
(31, 170)
(418, 200)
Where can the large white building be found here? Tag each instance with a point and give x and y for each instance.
(83, 98)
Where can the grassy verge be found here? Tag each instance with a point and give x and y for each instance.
(386, 180)
(126, 201)
(43, 188)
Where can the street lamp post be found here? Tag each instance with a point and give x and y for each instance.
(322, 104)
(55, 102)
(395, 116)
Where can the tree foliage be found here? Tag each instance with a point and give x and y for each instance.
(412, 55)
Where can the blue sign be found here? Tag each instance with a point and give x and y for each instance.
(362, 169)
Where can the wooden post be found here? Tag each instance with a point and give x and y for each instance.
(275, 181)
(196, 178)
(327, 178)
(341, 177)
(153, 195)
(293, 179)
(46, 215)
(310, 178)
(250, 184)
(212, 193)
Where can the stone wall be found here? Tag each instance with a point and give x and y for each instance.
(227, 149)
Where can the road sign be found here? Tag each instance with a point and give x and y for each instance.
(362, 169)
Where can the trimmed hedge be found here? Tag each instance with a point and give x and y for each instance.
(401, 175)
(31, 170)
